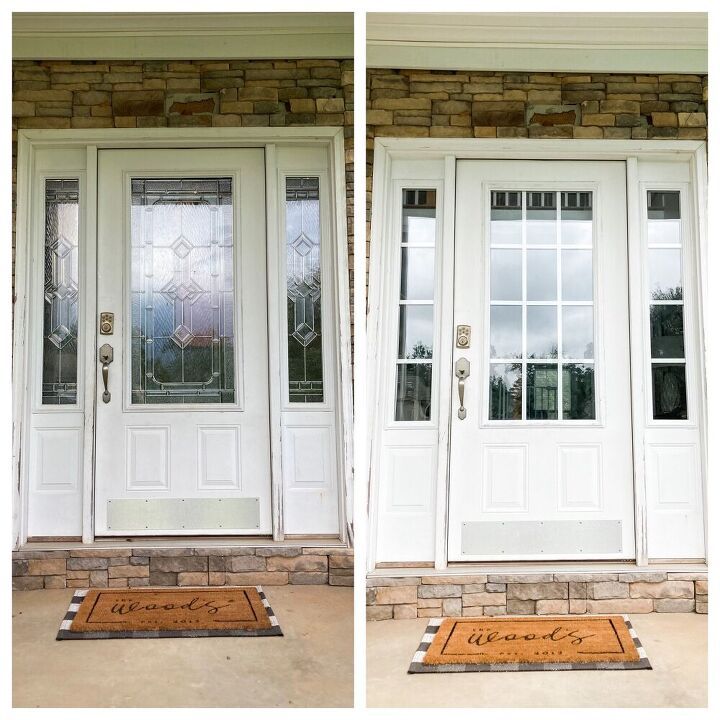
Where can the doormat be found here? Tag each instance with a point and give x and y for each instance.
(502, 644)
(168, 612)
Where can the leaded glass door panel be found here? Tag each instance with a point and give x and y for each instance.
(541, 453)
(182, 437)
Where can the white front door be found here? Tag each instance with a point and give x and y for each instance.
(541, 451)
(182, 432)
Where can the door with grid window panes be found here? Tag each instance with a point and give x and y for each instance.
(182, 410)
(541, 454)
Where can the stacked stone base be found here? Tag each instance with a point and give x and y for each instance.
(535, 594)
(138, 567)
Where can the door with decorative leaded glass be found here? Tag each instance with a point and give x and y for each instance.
(182, 412)
(541, 439)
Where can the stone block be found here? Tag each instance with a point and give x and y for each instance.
(46, 567)
(404, 612)
(179, 564)
(620, 605)
(494, 587)
(577, 607)
(554, 131)
(162, 552)
(401, 595)
(667, 589)
(138, 102)
(308, 578)
(692, 133)
(163, 579)
(674, 605)
(616, 133)
(98, 578)
(23, 109)
(439, 591)
(577, 590)
(494, 610)
(701, 607)
(80, 574)
(687, 576)
(279, 552)
(501, 113)
(552, 607)
(192, 578)
(240, 563)
(341, 580)
(302, 563)
(19, 568)
(346, 562)
(54, 582)
(87, 563)
(379, 612)
(452, 607)
(664, 119)
(216, 578)
(649, 577)
(484, 598)
(692, 119)
(520, 607)
(257, 578)
(428, 612)
(453, 579)
(587, 132)
(607, 590)
(126, 571)
(701, 587)
(598, 119)
(620, 106)
(537, 591)
(138, 582)
(391, 582)
(429, 602)
(118, 582)
(139, 561)
(521, 578)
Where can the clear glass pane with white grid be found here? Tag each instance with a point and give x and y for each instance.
(541, 332)
(667, 305)
(416, 311)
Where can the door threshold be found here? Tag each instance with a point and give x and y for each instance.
(535, 568)
(177, 542)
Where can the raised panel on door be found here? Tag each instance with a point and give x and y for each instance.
(182, 435)
(541, 453)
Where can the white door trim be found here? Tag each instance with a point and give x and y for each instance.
(391, 152)
(88, 142)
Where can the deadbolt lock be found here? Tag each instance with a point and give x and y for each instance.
(462, 337)
(107, 323)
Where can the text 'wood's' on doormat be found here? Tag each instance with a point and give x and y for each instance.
(168, 612)
(595, 642)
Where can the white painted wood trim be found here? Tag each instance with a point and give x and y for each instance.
(344, 400)
(638, 356)
(273, 299)
(89, 343)
(93, 140)
(540, 42)
(443, 371)
(185, 36)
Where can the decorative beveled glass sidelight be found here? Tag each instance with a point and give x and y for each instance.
(541, 336)
(61, 293)
(667, 326)
(304, 289)
(182, 289)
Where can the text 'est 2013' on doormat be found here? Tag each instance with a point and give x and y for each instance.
(168, 612)
(597, 642)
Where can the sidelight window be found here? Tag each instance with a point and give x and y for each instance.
(541, 330)
(416, 327)
(667, 326)
(61, 293)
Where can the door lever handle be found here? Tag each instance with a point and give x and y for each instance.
(462, 372)
(106, 357)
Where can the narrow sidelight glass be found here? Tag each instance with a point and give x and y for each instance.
(304, 289)
(61, 293)
(416, 307)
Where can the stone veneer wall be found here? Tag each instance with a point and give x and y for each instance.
(139, 567)
(177, 93)
(536, 594)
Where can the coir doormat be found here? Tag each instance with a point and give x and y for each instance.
(596, 642)
(168, 612)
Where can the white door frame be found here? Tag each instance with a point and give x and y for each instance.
(434, 166)
(89, 142)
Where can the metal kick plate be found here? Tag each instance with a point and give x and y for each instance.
(557, 537)
(184, 514)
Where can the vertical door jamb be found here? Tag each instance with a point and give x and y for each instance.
(88, 314)
(444, 369)
(274, 372)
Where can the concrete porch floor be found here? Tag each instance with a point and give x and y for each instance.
(676, 645)
(311, 666)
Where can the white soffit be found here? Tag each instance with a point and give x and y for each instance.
(540, 42)
(182, 36)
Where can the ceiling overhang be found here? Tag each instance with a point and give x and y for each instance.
(540, 42)
(182, 36)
